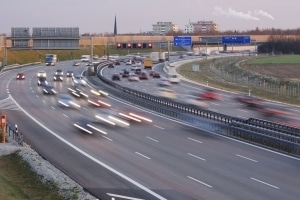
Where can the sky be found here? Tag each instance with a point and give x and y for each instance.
(135, 16)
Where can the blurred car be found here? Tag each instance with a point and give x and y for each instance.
(133, 77)
(41, 74)
(156, 75)
(76, 63)
(117, 62)
(69, 73)
(210, 94)
(173, 78)
(163, 82)
(116, 77)
(249, 101)
(126, 73)
(79, 80)
(138, 63)
(67, 101)
(88, 127)
(20, 76)
(128, 62)
(48, 89)
(151, 73)
(42, 81)
(111, 118)
(77, 92)
(143, 76)
(57, 77)
(134, 67)
(193, 100)
(111, 65)
(166, 93)
(59, 72)
(138, 71)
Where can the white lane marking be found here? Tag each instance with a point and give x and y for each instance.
(273, 186)
(199, 181)
(214, 110)
(196, 156)
(242, 110)
(216, 104)
(143, 155)
(158, 127)
(52, 107)
(107, 138)
(246, 158)
(122, 197)
(239, 116)
(89, 156)
(37, 96)
(195, 140)
(44, 101)
(153, 139)
(65, 115)
(84, 108)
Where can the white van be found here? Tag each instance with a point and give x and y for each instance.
(173, 78)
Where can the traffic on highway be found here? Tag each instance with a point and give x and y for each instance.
(114, 148)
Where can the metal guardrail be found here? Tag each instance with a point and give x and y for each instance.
(267, 134)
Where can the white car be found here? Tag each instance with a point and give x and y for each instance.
(133, 77)
(164, 82)
(128, 62)
(196, 101)
(166, 93)
(138, 63)
(41, 74)
(173, 78)
(79, 80)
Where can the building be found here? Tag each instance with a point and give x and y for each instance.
(161, 28)
(201, 26)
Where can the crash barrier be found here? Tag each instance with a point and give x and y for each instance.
(267, 134)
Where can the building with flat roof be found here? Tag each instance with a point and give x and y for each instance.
(161, 28)
(201, 26)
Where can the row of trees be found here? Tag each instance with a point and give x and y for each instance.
(281, 44)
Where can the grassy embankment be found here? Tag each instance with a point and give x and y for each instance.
(207, 75)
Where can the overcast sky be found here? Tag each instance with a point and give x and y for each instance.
(134, 16)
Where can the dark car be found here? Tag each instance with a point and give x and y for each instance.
(111, 65)
(42, 81)
(144, 76)
(249, 101)
(70, 73)
(138, 71)
(116, 77)
(156, 75)
(126, 73)
(20, 76)
(48, 89)
(117, 63)
(58, 77)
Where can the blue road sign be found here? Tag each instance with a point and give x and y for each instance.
(180, 41)
(235, 40)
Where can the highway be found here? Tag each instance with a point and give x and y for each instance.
(162, 159)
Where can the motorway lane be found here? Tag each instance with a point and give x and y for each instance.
(172, 149)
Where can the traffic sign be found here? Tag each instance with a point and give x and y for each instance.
(235, 40)
(180, 41)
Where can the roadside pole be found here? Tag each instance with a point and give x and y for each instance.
(3, 126)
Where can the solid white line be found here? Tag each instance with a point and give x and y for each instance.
(199, 181)
(158, 127)
(195, 140)
(122, 197)
(196, 156)
(107, 138)
(153, 139)
(142, 155)
(246, 158)
(265, 183)
(65, 115)
(89, 156)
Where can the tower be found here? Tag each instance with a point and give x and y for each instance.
(115, 27)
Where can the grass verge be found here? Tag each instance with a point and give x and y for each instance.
(18, 181)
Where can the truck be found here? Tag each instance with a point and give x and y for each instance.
(162, 56)
(155, 57)
(85, 58)
(50, 59)
(148, 63)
